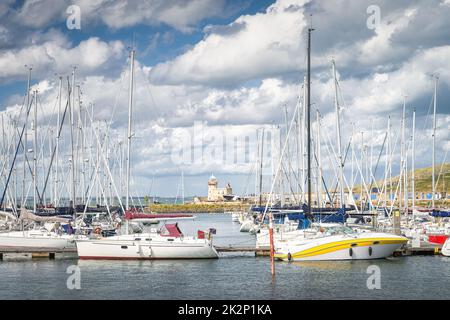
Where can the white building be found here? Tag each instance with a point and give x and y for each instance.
(215, 193)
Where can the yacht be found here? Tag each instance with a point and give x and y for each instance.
(46, 237)
(166, 243)
(339, 243)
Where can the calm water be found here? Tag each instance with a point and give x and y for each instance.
(234, 276)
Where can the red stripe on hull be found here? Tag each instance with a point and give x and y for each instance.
(131, 258)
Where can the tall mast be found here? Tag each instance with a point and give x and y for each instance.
(130, 109)
(35, 152)
(338, 132)
(308, 115)
(390, 161)
(386, 170)
(302, 145)
(72, 151)
(319, 163)
(25, 140)
(413, 154)
(261, 168)
(436, 78)
(403, 156)
(58, 120)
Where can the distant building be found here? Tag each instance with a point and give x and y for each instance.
(215, 193)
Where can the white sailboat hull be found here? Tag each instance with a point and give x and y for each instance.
(126, 248)
(247, 225)
(446, 248)
(36, 240)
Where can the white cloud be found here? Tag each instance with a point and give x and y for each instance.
(179, 14)
(54, 57)
(252, 46)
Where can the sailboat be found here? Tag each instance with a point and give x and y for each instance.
(331, 241)
(446, 248)
(51, 235)
(166, 243)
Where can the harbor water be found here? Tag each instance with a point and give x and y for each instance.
(233, 276)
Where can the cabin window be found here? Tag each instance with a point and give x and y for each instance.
(148, 239)
(137, 239)
(169, 239)
(124, 247)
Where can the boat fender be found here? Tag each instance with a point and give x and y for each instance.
(370, 251)
(350, 252)
(289, 256)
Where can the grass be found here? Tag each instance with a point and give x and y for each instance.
(423, 180)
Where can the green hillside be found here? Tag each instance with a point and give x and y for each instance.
(423, 179)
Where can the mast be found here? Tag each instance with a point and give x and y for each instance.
(261, 168)
(436, 78)
(182, 186)
(25, 140)
(302, 144)
(129, 135)
(413, 154)
(338, 132)
(72, 151)
(308, 116)
(35, 152)
(403, 156)
(319, 163)
(390, 161)
(58, 120)
(386, 168)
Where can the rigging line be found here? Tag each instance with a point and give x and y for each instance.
(269, 198)
(376, 166)
(54, 148)
(14, 123)
(14, 159)
(441, 169)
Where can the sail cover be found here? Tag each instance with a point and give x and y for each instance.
(28, 215)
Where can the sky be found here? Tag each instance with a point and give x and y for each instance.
(210, 73)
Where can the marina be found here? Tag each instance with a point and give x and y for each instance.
(246, 276)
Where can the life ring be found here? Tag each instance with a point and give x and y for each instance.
(98, 230)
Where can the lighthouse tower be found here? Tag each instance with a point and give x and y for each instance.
(212, 188)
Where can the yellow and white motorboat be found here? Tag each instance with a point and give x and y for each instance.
(339, 243)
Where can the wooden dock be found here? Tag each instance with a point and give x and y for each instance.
(71, 253)
(244, 249)
(37, 253)
(426, 249)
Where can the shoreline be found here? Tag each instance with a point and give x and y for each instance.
(198, 207)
